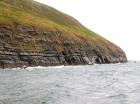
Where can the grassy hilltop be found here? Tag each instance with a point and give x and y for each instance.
(30, 12)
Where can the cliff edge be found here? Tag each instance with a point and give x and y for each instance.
(34, 34)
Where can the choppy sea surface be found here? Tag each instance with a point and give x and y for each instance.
(98, 84)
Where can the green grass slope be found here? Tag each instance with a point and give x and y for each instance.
(34, 13)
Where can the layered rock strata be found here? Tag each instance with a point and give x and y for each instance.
(29, 46)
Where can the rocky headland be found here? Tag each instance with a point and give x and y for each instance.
(26, 42)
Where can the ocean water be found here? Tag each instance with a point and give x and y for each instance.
(98, 84)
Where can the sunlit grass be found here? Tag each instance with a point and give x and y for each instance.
(36, 14)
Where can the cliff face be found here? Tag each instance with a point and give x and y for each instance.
(26, 45)
(54, 42)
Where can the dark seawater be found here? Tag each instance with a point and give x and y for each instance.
(98, 84)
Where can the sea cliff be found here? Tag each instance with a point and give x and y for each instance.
(49, 39)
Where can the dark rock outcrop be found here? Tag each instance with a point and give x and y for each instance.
(26, 45)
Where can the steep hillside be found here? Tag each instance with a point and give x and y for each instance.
(35, 34)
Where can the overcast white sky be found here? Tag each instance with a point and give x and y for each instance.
(116, 20)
